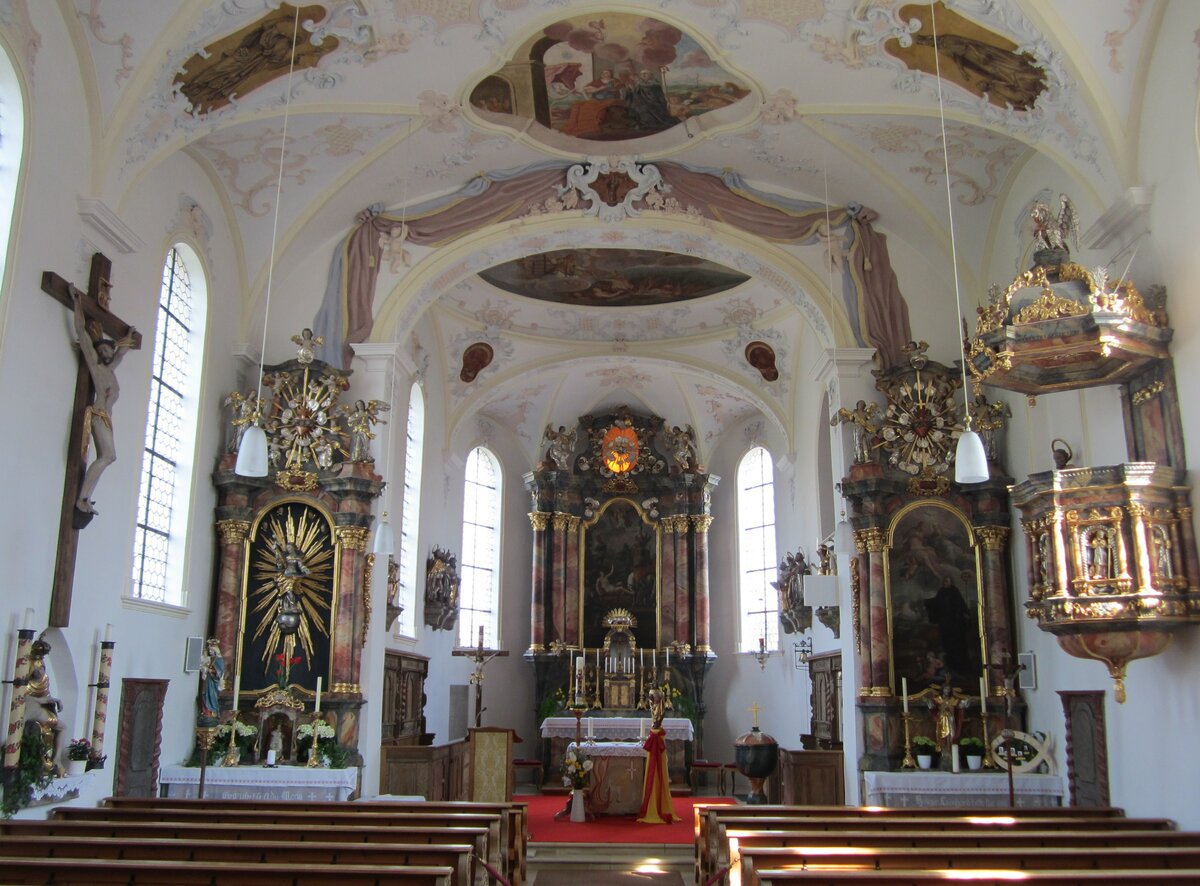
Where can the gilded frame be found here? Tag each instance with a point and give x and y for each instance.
(931, 543)
(592, 535)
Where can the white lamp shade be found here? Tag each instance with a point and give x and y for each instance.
(820, 590)
(385, 539)
(843, 537)
(970, 461)
(252, 453)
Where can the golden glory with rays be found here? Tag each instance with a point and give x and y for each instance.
(291, 571)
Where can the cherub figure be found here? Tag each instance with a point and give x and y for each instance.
(307, 342)
(360, 419)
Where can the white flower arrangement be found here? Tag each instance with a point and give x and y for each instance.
(244, 730)
(322, 729)
(575, 769)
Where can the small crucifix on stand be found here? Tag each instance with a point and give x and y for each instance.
(481, 657)
(103, 338)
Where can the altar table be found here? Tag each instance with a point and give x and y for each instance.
(259, 783)
(922, 788)
(618, 770)
(616, 728)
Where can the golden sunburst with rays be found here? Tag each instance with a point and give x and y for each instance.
(292, 573)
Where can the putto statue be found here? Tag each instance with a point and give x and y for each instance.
(561, 446)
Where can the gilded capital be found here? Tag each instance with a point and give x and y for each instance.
(1184, 513)
(871, 540)
(994, 538)
(702, 522)
(561, 521)
(353, 537)
(1137, 510)
(538, 520)
(232, 532)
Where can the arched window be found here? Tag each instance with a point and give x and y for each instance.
(410, 514)
(480, 570)
(12, 147)
(169, 454)
(758, 601)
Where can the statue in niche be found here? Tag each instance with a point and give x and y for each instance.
(441, 590)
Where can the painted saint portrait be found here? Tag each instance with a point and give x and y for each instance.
(612, 277)
(620, 570)
(933, 598)
(609, 78)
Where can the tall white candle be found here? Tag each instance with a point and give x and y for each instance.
(591, 723)
(27, 622)
(983, 694)
(654, 659)
(237, 690)
(107, 633)
(668, 656)
(641, 658)
(317, 706)
(904, 693)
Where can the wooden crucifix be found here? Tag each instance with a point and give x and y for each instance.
(481, 657)
(102, 338)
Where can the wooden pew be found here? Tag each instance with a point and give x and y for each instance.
(87, 872)
(457, 857)
(495, 854)
(751, 859)
(252, 834)
(773, 877)
(514, 822)
(712, 845)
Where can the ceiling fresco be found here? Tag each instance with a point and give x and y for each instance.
(612, 77)
(625, 278)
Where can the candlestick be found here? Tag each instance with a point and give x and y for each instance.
(237, 690)
(904, 693)
(317, 706)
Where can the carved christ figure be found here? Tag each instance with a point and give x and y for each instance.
(102, 358)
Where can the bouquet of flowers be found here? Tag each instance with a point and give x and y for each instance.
(576, 768)
(79, 749)
(321, 731)
(243, 737)
(283, 668)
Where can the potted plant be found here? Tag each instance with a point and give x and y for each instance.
(972, 749)
(78, 752)
(924, 749)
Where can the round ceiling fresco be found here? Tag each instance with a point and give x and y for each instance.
(612, 277)
(614, 78)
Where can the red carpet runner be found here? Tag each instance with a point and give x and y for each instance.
(611, 828)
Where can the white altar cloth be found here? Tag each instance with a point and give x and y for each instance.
(611, 748)
(259, 782)
(909, 789)
(616, 728)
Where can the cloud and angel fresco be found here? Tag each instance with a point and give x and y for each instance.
(609, 78)
(593, 277)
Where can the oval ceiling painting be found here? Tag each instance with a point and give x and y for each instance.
(607, 78)
(626, 278)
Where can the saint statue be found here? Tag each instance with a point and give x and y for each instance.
(212, 681)
(42, 708)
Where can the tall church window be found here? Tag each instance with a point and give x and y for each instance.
(168, 456)
(479, 595)
(758, 600)
(410, 515)
(12, 147)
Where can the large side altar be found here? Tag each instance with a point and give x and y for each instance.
(300, 783)
(621, 511)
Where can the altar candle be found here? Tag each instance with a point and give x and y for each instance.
(107, 633)
(237, 690)
(317, 706)
(591, 723)
(641, 658)
(641, 729)
(270, 758)
(668, 656)
(904, 693)
(654, 659)
(983, 695)
(27, 622)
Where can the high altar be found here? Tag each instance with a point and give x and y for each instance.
(621, 511)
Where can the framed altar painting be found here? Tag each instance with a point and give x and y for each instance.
(620, 550)
(934, 603)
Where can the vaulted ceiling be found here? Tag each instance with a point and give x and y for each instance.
(398, 102)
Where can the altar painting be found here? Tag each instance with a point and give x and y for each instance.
(620, 569)
(934, 615)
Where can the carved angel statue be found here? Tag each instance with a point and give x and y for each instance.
(990, 418)
(360, 419)
(681, 444)
(307, 342)
(865, 418)
(245, 409)
(1055, 232)
(561, 445)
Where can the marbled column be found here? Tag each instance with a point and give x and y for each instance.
(232, 538)
(537, 608)
(571, 582)
(352, 543)
(702, 523)
(997, 629)
(16, 712)
(874, 539)
(684, 549)
(100, 717)
(667, 586)
(862, 608)
(566, 603)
